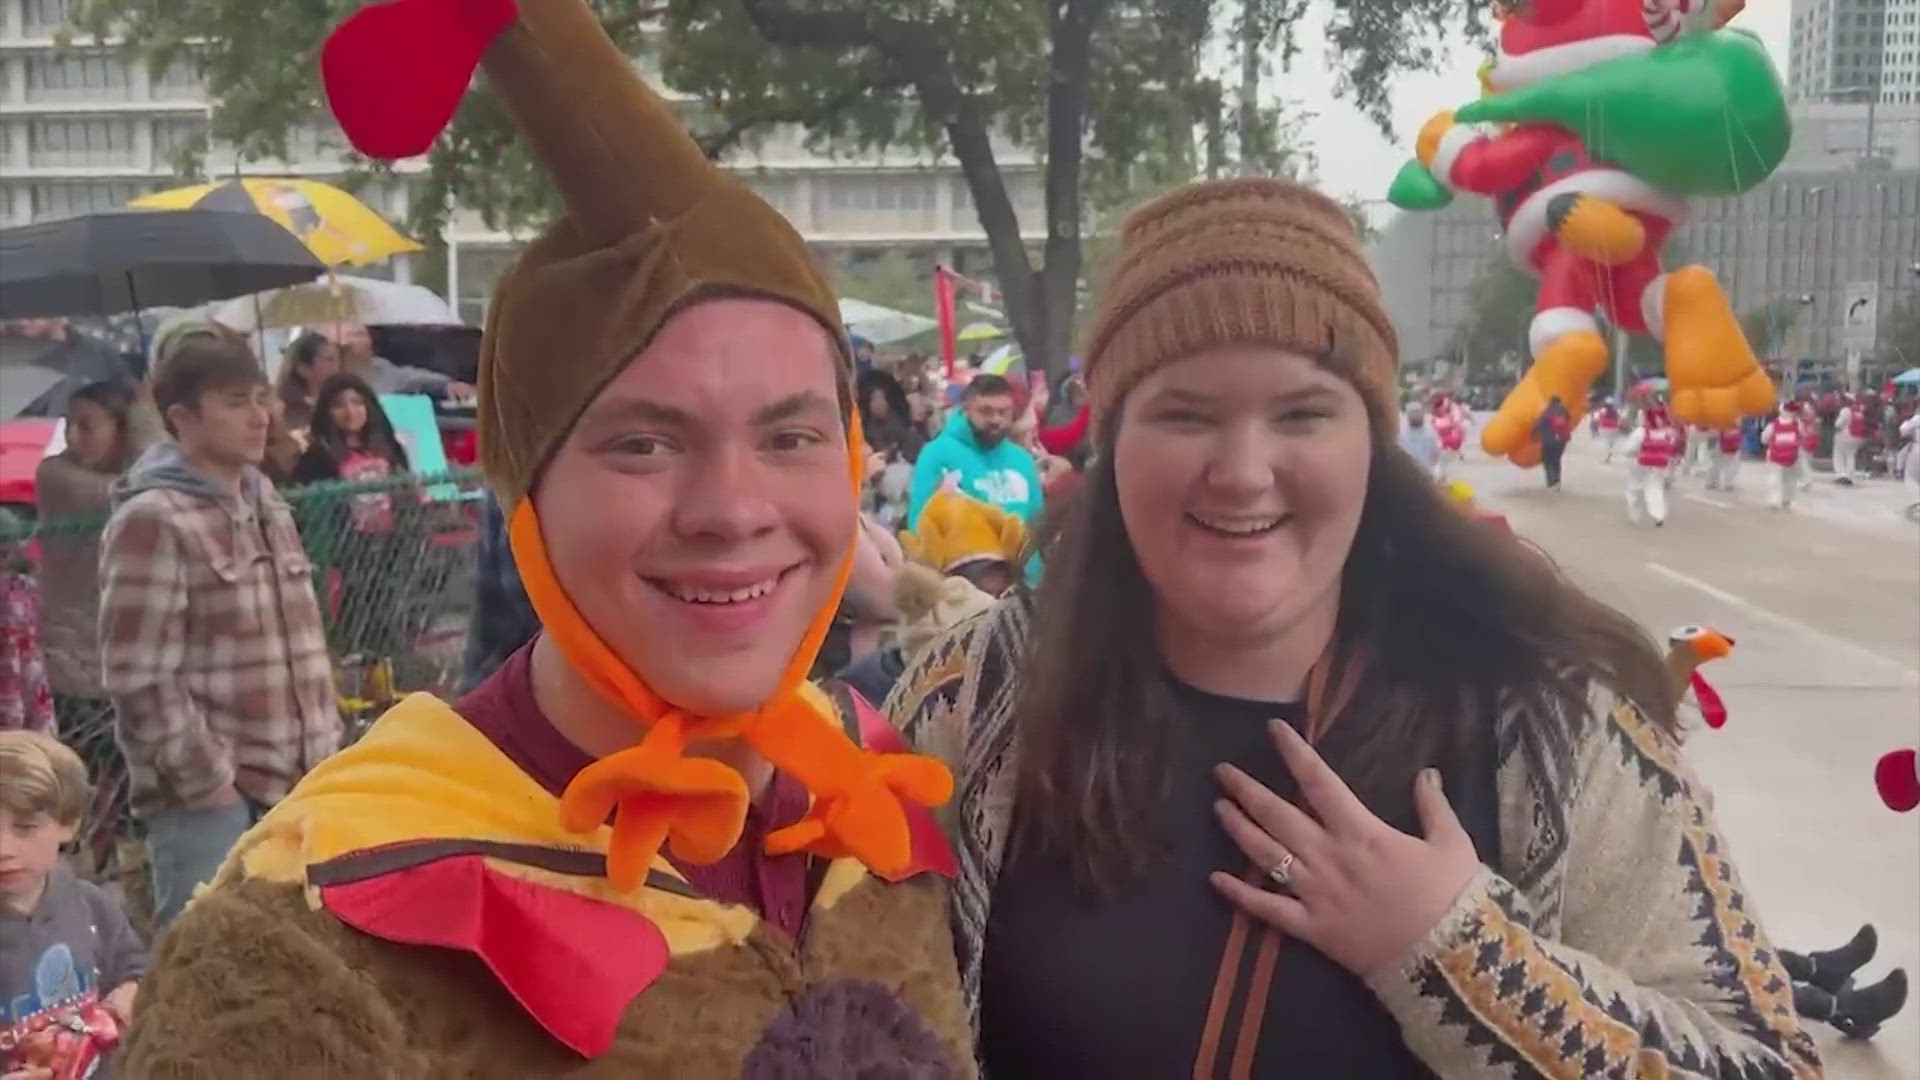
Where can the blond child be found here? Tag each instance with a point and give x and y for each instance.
(70, 962)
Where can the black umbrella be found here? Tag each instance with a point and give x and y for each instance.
(126, 260)
(39, 375)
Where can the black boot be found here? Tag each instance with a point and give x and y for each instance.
(1858, 1014)
(1831, 969)
(1811, 1002)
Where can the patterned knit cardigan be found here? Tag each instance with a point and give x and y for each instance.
(1613, 940)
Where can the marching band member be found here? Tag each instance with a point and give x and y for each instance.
(1606, 427)
(1783, 441)
(1653, 448)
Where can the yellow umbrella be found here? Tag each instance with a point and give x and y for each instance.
(338, 228)
(980, 333)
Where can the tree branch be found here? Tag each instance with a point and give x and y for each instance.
(918, 52)
(723, 142)
(1071, 28)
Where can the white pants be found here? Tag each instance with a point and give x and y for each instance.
(1440, 466)
(1786, 481)
(1609, 440)
(1726, 469)
(1700, 454)
(1846, 455)
(1646, 493)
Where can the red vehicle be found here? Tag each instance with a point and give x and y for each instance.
(23, 442)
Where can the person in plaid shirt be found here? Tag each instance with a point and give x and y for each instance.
(503, 618)
(212, 644)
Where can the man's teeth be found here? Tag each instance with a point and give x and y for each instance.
(1240, 528)
(721, 596)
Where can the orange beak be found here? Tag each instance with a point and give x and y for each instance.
(1712, 645)
(1726, 12)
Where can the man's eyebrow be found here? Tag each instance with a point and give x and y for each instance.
(1311, 392)
(796, 405)
(645, 411)
(1175, 395)
(638, 410)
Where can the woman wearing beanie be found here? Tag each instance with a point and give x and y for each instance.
(1290, 768)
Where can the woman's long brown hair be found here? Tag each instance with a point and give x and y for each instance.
(115, 398)
(1454, 616)
(299, 357)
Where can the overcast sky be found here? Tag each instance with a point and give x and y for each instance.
(1356, 160)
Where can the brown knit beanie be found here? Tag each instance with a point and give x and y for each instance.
(1229, 262)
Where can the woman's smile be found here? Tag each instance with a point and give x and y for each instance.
(1238, 527)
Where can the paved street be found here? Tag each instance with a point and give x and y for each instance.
(1825, 607)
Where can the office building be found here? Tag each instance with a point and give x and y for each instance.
(1428, 265)
(1855, 50)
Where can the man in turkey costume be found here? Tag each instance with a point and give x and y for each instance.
(644, 847)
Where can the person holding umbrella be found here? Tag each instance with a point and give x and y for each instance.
(72, 488)
(308, 363)
(357, 357)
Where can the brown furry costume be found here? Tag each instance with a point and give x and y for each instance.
(257, 981)
(420, 907)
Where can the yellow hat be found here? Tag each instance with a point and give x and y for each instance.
(955, 530)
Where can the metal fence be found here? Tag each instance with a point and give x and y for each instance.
(393, 564)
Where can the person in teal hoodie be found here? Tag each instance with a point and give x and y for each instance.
(974, 455)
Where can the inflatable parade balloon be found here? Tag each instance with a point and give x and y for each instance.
(1599, 120)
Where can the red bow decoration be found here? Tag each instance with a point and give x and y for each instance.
(395, 72)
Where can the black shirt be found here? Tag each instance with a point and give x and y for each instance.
(1074, 986)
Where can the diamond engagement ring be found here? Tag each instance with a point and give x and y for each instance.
(1282, 872)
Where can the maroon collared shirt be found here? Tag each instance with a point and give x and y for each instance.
(777, 887)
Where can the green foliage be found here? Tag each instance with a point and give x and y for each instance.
(1363, 226)
(1113, 97)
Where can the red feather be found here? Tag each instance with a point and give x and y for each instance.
(1712, 709)
(395, 72)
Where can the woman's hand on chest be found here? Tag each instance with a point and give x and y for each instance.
(1349, 884)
